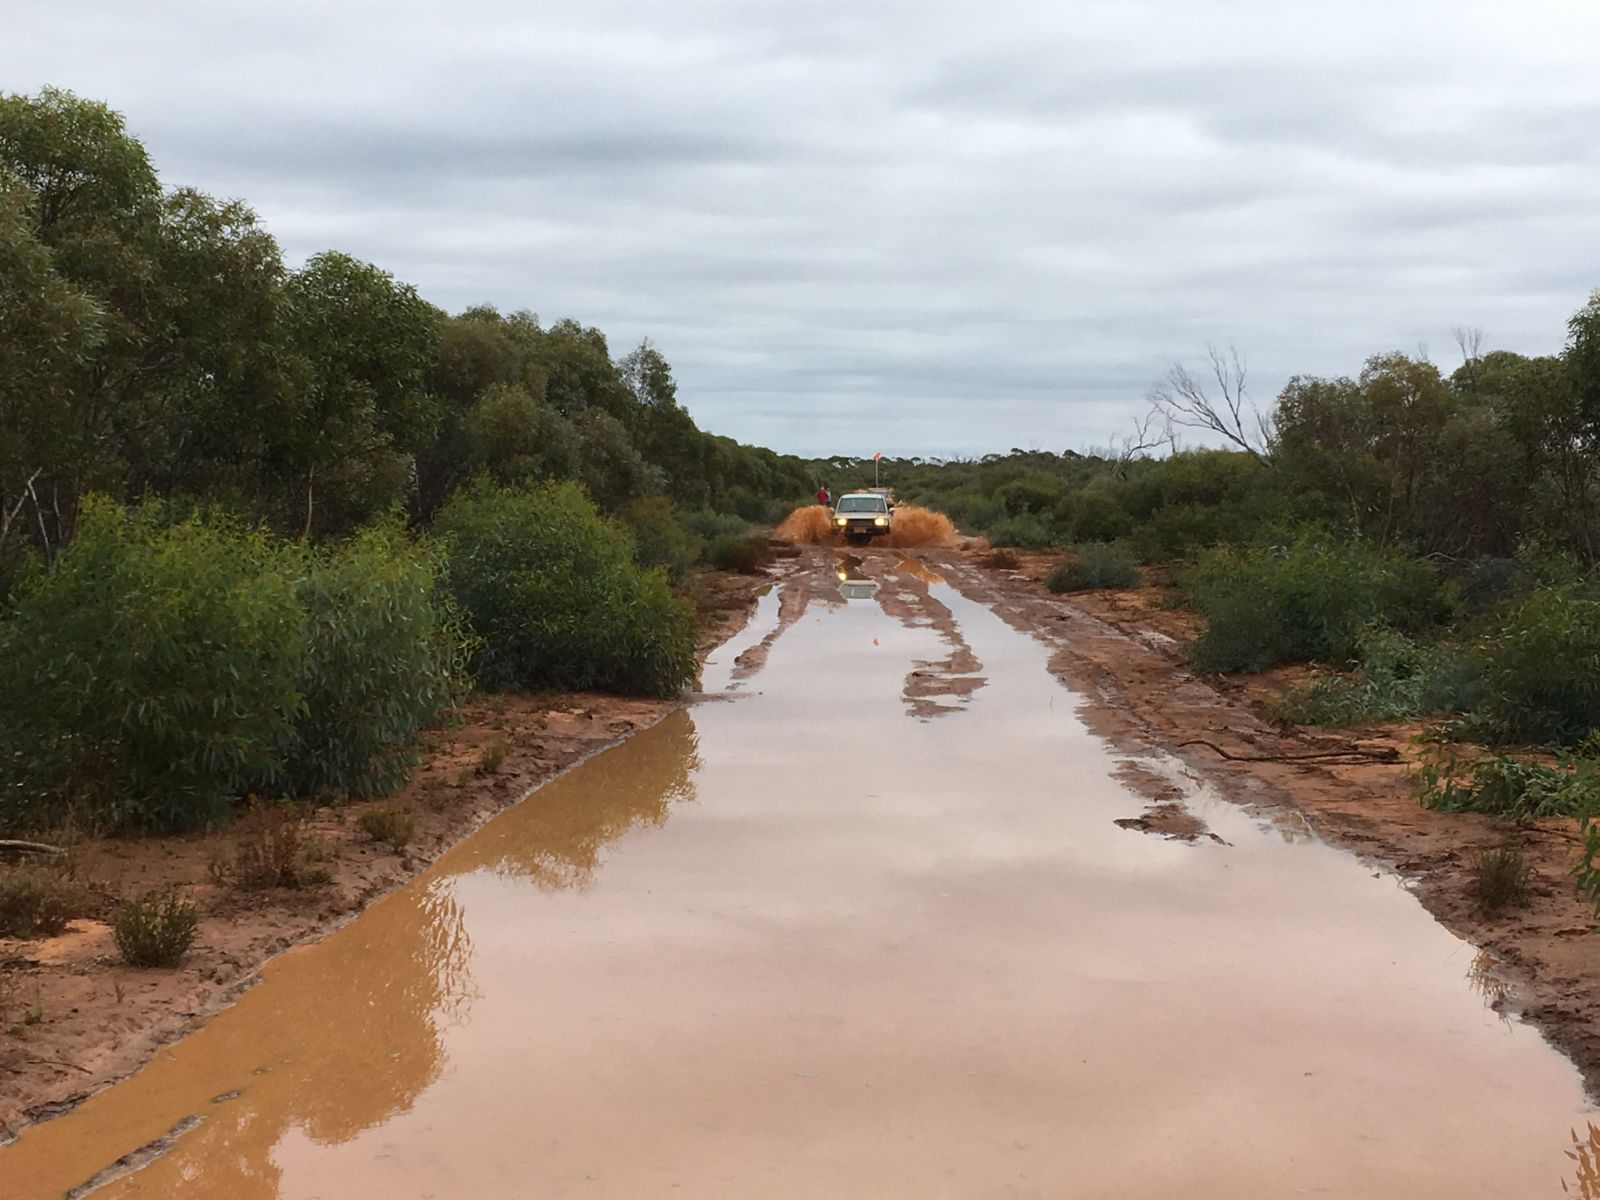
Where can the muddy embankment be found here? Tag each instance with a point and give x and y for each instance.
(74, 1019)
(1124, 650)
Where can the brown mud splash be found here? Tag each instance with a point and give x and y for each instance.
(808, 526)
(913, 526)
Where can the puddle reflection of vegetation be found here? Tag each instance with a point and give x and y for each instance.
(1485, 980)
(368, 1016)
(1585, 1156)
(555, 837)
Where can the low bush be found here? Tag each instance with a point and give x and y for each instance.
(1093, 566)
(162, 669)
(157, 929)
(390, 823)
(273, 850)
(38, 901)
(556, 598)
(660, 539)
(708, 526)
(745, 555)
(1023, 532)
(493, 756)
(1541, 665)
(150, 676)
(385, 652)
(1307, 600)
(1396, 679)
(971, 511)
(1507, 787)
(1501, 878)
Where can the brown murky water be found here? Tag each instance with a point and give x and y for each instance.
(801, 942)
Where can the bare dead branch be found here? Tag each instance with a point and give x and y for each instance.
(7, 519)
(1227, 411)
(1470, 343)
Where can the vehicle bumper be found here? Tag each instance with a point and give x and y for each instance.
(863, 529)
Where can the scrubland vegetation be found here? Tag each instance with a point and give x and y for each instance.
(259, 525)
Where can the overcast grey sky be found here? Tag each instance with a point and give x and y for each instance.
(926, 227)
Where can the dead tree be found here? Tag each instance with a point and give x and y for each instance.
(1149, 431)
(1184, 400)
(1470, 343)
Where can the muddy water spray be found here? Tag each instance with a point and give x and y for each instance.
(913, 526)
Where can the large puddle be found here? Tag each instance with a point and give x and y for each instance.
(803, 942)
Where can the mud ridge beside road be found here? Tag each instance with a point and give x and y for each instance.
(76, 1020)
(1123, 654)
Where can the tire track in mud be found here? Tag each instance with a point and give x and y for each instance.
(900, 583)
(1148, 769)
(940, 686)
(1139, 695)
(797, 592)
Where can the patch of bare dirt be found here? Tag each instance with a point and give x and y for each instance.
(74, 1019)
(1124, 652)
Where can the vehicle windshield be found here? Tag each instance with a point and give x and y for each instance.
(864, 504)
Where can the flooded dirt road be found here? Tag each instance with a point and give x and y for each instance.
(862, 923)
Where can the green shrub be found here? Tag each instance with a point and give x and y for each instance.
(157, 929)
(554, 595)
(1308, 600)
(972, 512)
(708, 526)
(746, 555)
(1397, 679)
(38, 901)
(150, 676)
(1025, 532)
(1486, 582)
(659, 539)
(1541, 666)
(385, 653)
(391, 823)
(1093, 515)
(1093, 566)
(1508, 787)
(1035, 492)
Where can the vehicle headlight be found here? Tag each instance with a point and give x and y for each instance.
(843, 521)
(880, 520)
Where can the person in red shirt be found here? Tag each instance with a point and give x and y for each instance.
(824, 496)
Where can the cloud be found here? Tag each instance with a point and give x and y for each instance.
(921, 228)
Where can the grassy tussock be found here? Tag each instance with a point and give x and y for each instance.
(38, 901)
(156, 929)
(392, 823)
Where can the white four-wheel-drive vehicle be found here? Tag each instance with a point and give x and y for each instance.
(862, 516)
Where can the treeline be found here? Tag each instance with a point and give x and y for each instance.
(1431, 538)
(1500, 458)
(261, 524)
(153, 342)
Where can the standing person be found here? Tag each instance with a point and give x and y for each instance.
(824, 496)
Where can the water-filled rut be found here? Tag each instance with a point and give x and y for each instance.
(843, 933)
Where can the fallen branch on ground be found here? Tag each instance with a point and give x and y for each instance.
(16, 849)
(1351, 754)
